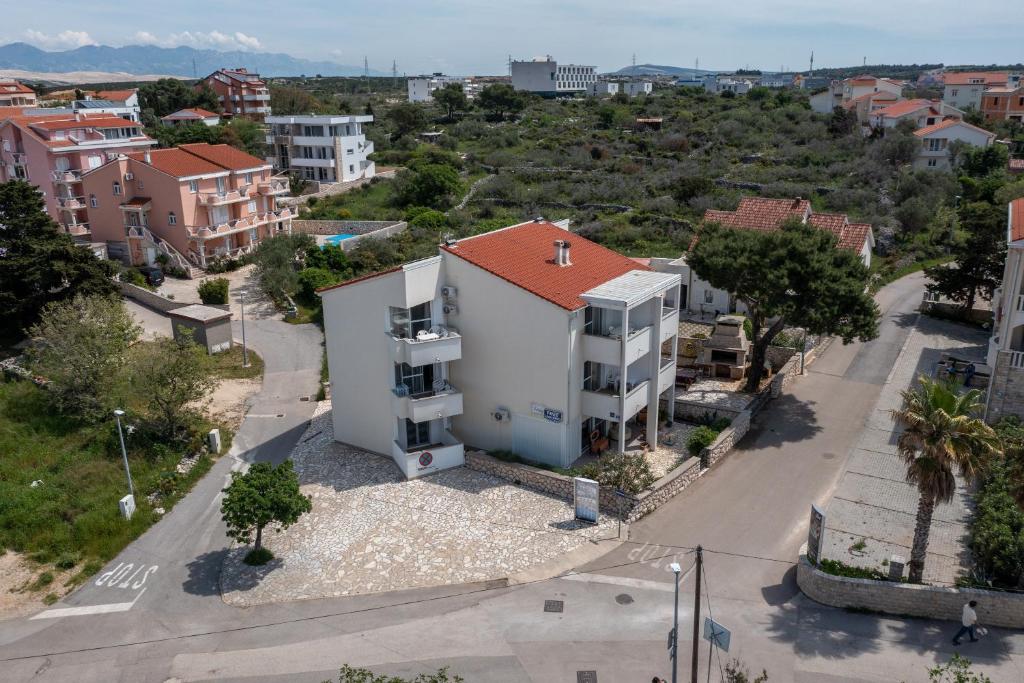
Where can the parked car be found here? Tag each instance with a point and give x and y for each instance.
(154, 276)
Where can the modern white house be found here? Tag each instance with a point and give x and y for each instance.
(699, 298)
(1006, 345)
(936, 139)
(421, 88)
(327, 148)
(840, 92)
(546, 77)
(527, 339)
(637, 88)
(603, 89)
(719, 84)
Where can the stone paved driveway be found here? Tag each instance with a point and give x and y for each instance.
(371, 530)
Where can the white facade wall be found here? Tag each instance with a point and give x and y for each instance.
(549, 77)
(636, 88)
(934, 152)
(421, 89)
(963, 96)
(603, 89)
(325, 157)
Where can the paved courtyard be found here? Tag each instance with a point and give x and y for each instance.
(371, 530)
(872, 513)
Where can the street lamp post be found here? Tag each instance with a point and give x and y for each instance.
(118, 414)
(245, 349)
(676, 569)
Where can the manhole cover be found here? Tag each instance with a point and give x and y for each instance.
(553, 605)
(624, 598)
(828, 456)
(586, 677)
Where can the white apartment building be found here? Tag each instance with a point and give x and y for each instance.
(421, 88)
(637, 88)
(548, 78)
(326, 148)
(935, 140)
(717, 84)
(603, 89)
(1006, 345)
(841, 92)
(528, 339)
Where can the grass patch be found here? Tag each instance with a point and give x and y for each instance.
(228, 364)
(72, 516)
(838, 568)
(41, 582)
(50, 599)
(258, 558)
(304, 314)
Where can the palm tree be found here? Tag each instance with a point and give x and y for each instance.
(940, 432)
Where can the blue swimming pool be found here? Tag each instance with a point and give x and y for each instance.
(337, 239)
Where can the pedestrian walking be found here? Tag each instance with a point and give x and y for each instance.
(970, 623)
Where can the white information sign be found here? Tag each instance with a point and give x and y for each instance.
(586, 499)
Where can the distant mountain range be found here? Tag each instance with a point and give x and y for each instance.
(186, 62)
(660, 70)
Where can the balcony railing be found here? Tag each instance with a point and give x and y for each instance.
(225, 197)
(76, 228)
(19, 157)
(272, 187)
(445, 401)
(439, 346)
(70, 203)
(71, 176)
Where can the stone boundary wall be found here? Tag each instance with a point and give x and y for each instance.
(995, 608)
(535, 478)
(360, 229)
(157, 302)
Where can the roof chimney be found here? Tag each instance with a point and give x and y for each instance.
(796, 202)
(562, 253)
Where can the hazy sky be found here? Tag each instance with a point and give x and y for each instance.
(464, 37)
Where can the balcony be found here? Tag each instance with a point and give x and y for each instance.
(666, 374)
(262, 97)
(431, 405)
(367, 148)
(418, 460)
(427, 349)
(669, 323)
(76, 229)
(70, 203)
(71, 176)
(226, 197)
(221, 229)
(272, 187)
(604, 403)
(607, 348)
(19, 157)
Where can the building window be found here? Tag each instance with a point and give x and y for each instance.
(590, 378)
(117, 189)
(416, 434)
(252, 206)
(193, 186)
(248, 178)
(418, 380)
(351, 168)
(407, 322)
(709, 296)
(933, 163)
(954, 93)
(171, 218)
(93, 202)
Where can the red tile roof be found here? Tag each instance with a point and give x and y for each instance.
(524, 256)
(758, 213)
(965, 77)
(948, 123)
(225, 155)
(178, 163)
(1017, 219)
(903, 108)
(114, 95)
(14, 86)
(69, 122)
(193, 113)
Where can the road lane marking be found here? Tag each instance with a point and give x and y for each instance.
(88, 609)
(643, 584)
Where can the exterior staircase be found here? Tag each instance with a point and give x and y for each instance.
(175, 256)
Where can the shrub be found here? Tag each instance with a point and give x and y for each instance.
(997, 532)
(258, 558)
(312, 279)
(630, 472)
(700, 438)
(214, 291)
(838, 568)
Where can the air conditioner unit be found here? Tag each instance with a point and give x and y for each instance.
(129, 176)
(450, 308)
(501, 415)
(449, 292)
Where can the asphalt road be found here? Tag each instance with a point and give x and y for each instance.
(750, 512)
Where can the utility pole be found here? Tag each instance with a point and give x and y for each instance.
(634, 64)
(811, 72)
(394, 73)
(674, 634)
(118, 414)
(696, 615)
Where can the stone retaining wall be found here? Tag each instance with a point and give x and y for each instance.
(156, 301)
(726, 439)
(995, 608)
(360, 229)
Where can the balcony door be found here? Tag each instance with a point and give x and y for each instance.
(419, 380)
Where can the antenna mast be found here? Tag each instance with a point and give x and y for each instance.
(811, 72)
(366, 73)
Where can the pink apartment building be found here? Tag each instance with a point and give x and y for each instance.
(52, 151)
(193, 203)
(241, 93)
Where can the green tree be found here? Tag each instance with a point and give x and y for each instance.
(214, 290)
(286, 99)
(173, 376)
(941, 432)
(275, 260)
(245, 135)
(979, 162)
(792, 276)
(500, 99)
(452, 99)
(736, 672)
(312, 279)
(172, 136)
(957, 670)
(168, 95)
(842, 123)
(203, 97)
(263, 495)
(978, 256)
(80, 346)
(997, 530)
(329, 257)
(38, 263)
(407, 118)
(431, 185)
(686, 188)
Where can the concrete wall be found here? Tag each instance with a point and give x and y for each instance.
(148, 298)
(516, 353)
(534, 76)
(1006, 390)
(995, 608)
(361, 229)
(215, 336)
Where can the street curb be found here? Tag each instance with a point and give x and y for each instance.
(559, 566)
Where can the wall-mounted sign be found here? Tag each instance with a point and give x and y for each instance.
(537, 409)
(815, 534)
(552, 415)
(586, 499)
(426, 457)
